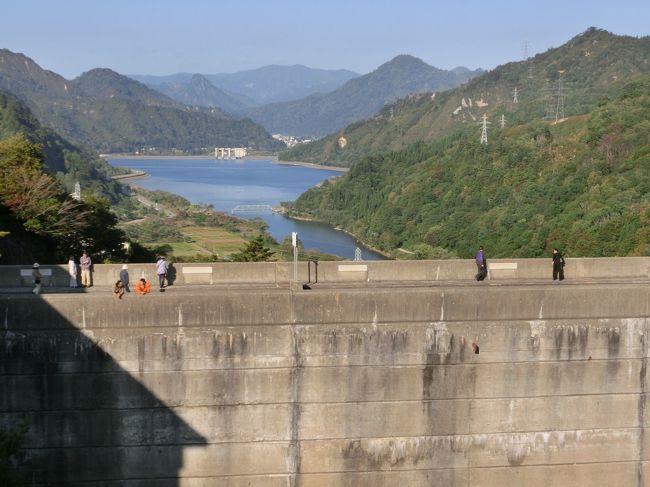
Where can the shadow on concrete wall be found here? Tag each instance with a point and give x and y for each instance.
(89, 419)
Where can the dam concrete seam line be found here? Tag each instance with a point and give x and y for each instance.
(354, 324)
(386, 470)
(351, 402)
(625, 429)
(404, 365)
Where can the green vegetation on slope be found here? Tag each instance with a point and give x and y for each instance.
(68, 162)
(595, 65)
(112, 113)
(42, 221)
(583, 184)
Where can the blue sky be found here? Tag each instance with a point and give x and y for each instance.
(218, 36)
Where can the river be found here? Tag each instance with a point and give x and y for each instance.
(228, 184)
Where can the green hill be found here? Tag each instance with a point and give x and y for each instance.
(112, 113)
(595, 66)
(583, 184)
(67, 161)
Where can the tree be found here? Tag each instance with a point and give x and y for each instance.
(11, 440)
(254, 251)
(33, 196)
(44, 222)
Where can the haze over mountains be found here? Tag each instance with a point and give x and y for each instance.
(358, 99)
(308, 102)
(268, 84)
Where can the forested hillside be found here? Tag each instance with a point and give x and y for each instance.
(583, 184)
(68, 162)
(593, 66)
(112, 113)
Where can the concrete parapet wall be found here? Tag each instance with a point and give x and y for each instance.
(354, 387)
(346, 271)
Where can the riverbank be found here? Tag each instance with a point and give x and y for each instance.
(310, 164)
(338, 229)
(134, 174)
(273, 159)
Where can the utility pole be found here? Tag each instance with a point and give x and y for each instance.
(559, 106)
(484, 124)
(502, 122)
(515, 95)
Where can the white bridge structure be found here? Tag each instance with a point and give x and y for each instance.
(229, 152)
(252, 209)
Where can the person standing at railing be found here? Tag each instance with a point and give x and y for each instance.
(161, 270)
(481, 264)
(558, 265)
(86, 264)
(37, 276)
(124, 277)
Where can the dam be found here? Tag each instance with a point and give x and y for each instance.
(380, 373)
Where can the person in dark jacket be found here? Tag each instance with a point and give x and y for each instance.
(558, 265)
(124, 277)
(481, 264)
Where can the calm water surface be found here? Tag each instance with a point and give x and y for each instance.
(226, 184)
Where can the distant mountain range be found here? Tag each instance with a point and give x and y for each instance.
(358, 99)
(593, 67)
(313, 102)
(198, 91)
(113, 113)
(268, 84)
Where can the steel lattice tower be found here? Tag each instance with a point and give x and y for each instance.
(484, 124)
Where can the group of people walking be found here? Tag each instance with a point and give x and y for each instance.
(482, 269)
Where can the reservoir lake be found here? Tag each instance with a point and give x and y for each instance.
(230, 183)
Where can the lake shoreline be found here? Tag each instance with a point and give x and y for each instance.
(228, 184)
(273, 159)
(365, 244)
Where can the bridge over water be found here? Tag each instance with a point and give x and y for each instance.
(381, 373)
(252, 209)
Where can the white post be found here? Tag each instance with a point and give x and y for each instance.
(294, 242)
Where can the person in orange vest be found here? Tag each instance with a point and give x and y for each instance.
(143, 287)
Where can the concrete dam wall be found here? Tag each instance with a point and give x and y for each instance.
(334, 386)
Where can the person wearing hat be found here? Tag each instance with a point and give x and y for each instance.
(36, 274)
(124, 277)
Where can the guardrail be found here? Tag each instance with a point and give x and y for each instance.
(343, 271)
